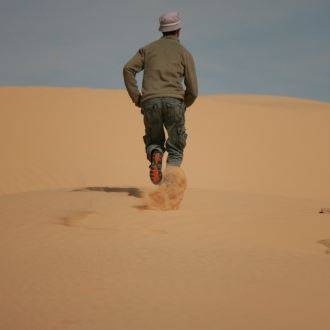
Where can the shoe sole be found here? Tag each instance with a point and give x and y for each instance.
(156, 168)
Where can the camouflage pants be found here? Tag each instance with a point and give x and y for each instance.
(168, 112)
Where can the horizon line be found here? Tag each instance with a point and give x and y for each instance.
(201, 94)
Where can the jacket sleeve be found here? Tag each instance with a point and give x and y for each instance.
(190, 80)
(131, 68)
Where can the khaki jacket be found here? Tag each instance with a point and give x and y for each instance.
(166, 64)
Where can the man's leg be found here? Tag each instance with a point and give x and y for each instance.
(174, 120)
(154, 137)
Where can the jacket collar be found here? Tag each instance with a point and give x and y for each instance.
(173, 37)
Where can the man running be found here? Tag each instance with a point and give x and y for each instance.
(163, 101)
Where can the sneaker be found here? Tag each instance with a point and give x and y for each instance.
(156, 167)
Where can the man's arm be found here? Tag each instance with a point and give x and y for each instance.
(131, 68)
(190, 80)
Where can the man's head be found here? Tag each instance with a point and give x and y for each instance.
(170, 23)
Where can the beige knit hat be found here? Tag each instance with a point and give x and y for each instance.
(170, 22)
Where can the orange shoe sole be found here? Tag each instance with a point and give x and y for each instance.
(156, 167)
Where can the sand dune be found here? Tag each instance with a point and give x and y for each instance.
(64, 137)
(233, 240)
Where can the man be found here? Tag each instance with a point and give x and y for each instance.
(166, 64)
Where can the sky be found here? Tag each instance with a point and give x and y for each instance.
(277, 47)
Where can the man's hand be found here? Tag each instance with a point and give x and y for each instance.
(138, 102)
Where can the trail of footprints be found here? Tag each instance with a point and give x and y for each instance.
(84, 218)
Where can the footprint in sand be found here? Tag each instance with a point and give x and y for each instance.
(82, 218)
(326, 243)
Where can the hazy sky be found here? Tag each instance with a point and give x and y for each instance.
(279, 47)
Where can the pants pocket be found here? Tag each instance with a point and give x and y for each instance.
(175, 112)
(147, 136)
(182, 137)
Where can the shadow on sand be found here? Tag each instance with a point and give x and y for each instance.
(131, 191)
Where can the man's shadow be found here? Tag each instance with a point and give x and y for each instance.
(131, 191)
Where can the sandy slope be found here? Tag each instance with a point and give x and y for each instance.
(53, 138)
(246, 250)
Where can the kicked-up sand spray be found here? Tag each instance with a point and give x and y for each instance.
(169, 194)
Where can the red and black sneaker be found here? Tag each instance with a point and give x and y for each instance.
(156, 167)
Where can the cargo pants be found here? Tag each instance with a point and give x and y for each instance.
(168, 112)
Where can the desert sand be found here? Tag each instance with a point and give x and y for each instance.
(232, 240)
